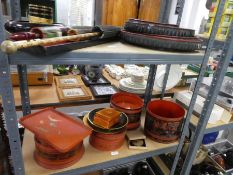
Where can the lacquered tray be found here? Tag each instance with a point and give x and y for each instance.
(59, 48)
(146, 27)
(60, 130)
(163, 42)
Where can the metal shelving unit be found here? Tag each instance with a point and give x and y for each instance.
(210, 127)
(107, 53)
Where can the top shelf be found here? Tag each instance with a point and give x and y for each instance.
(110, 53)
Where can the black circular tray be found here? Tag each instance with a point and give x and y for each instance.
(187, 44)
(145, 27)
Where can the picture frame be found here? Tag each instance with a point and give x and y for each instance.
(68, 81)
(102, 91)
(73, 93)
(101, 81)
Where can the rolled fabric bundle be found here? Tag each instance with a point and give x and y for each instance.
(98, 32)
(11, 47)
(46, 32)
(23, 36)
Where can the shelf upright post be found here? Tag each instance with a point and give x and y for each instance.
(165, 7)
(210, 100)
(22, 69)
(98, 12)
(150, 83)
(210, 44)
(15, 9)
(9, 107)
(24, 92)
(180, 4)
(165, 78)
(165, 11)
(168, 67)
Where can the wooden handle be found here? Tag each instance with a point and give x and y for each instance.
(11, 47)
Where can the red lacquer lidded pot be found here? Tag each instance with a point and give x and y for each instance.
(58, 138)
(131, 105)
(163, 121)
(107, 139)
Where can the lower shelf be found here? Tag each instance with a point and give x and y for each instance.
(211, 127)
(93, 159)
(161, 165)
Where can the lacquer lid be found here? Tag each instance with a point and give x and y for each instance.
(61, 131)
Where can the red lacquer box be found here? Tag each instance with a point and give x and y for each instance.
(58, 137)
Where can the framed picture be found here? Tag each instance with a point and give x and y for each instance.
(73, 93)
(101, 81)
(100, 91)
(69, 81)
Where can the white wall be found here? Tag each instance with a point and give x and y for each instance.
(75, 12)
(193, 13)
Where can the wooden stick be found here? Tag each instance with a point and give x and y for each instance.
(11, 47)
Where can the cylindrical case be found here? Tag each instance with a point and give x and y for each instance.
(163, 121)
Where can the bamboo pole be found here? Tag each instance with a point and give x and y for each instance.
(11, 47)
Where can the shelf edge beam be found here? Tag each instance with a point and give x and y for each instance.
(150, 83)
(165, 79)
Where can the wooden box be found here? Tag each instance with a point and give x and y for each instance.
(35, 78)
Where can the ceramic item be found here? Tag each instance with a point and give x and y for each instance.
(163, 120)
(61, 131)
(174, 77)
(120, 126)
(93, 72)
(131, 105)
(127, 85)
(137, 77)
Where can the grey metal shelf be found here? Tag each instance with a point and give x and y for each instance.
(93, 159)
(210, 127)
(164, 169)
(110, 53)
(218, 44)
